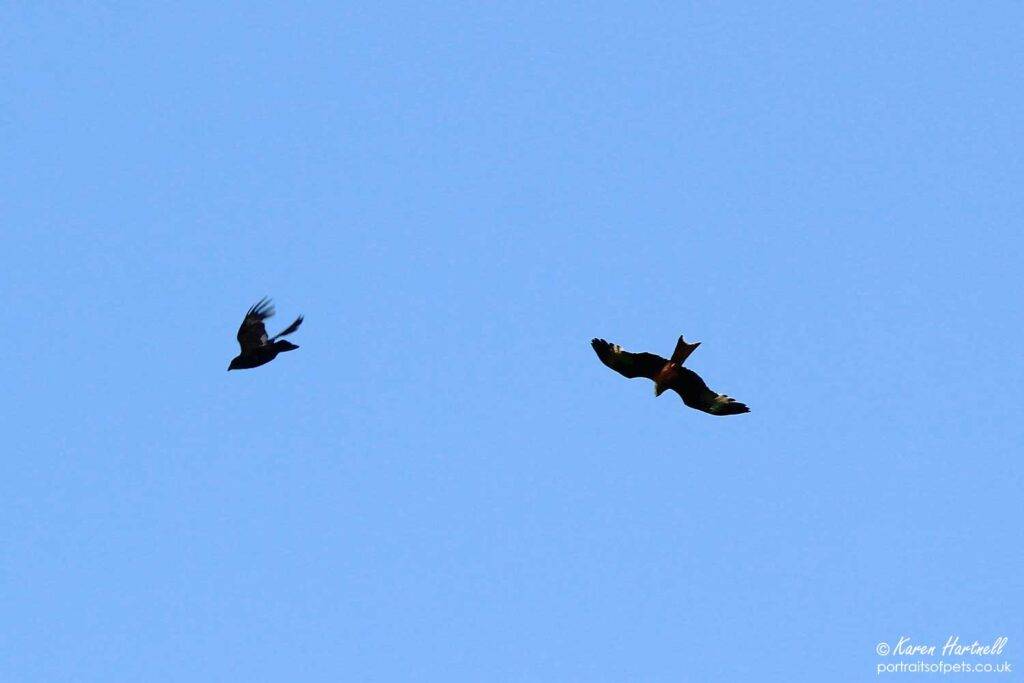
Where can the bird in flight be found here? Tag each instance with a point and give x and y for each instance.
(257, 349)
(669, 374)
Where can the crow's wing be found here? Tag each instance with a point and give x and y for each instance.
(628, 364)
(252, 334)
(696, 394)
(288, 330)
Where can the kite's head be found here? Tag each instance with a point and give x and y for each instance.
(663, 379)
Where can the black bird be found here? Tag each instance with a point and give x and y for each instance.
(257, 349)
(669, 374)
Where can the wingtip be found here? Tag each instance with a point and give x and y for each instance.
(263, 308)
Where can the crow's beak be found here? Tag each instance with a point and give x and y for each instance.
(658, 390)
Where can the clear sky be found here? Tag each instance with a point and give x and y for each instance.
(443, 483)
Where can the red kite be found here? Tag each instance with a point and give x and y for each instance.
(669, 374)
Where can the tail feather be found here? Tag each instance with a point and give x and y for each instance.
(683, 350)
(288, 330)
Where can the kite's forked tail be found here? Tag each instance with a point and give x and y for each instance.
(683, 350)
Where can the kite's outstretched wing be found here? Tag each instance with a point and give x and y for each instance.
(628, 364)
(696, 394)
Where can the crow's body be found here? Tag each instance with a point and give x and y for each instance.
(669, 374)
(256, 348)
(260, 356)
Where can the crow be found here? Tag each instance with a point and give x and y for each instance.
(669, 374)
(257, 349)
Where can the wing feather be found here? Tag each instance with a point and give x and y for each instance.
(696, 394)
(252, 334)
(628, 364)
(288, 330)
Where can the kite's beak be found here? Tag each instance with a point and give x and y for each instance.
(658, 390)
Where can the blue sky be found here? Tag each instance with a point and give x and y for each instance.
(444, 483)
